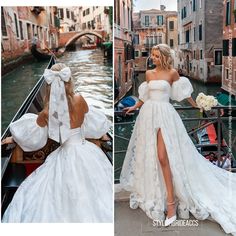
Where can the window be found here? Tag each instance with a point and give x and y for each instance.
(124, 15)
(129, 27)
(178, 39)
(218, 57)
(234, 76)
(225, 47)
(4, 28)
(226, 73)
(227, 18)
(171, 25)
(61, 13)
(201, 54)
(234, 47)
(118, 12)
(16, 25)
(160, 20)
(194, 54)
(87, 11)
(119, 71)
(136, 39)
(115, 18)
(200, 32)
(171, 43)
(187, 36)
(184, 13)
(72, 15)
(194, 5)
(194, 34)
(136, 53)
(201, 70)
(21, 30)
(33, 29)
(28, 30)
(68, 13)
(144, 54)
(83, 26)
(146, 20)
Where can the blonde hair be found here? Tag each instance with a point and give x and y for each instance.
(69, 88)
(165, 53)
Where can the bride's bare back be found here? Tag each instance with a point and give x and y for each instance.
(77, 114)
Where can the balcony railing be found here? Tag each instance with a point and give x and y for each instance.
(217, 119)
(186, 46)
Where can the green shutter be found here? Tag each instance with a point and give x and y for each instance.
(234, 47)
(226, 47)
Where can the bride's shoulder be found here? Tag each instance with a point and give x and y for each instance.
(174, 75)
(80, 101)
(42, 118)
(148, 74)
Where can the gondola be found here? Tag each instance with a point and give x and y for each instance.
(16, 165)
(39, 55)
(208, 136)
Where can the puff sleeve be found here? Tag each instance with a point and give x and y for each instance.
(143, 91)
(181, 89)
(28, 134)
(95, 123)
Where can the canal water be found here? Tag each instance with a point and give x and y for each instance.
(126, 130)
(91, 72)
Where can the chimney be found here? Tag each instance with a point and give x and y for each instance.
(163, 7)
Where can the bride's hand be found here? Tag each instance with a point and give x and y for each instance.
(7, 140)
(129, 109)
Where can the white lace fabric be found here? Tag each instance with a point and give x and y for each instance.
(75, 182)
(201, 188)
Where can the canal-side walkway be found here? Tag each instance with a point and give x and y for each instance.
(129, 222)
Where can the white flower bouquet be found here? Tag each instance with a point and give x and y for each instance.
(205, 102)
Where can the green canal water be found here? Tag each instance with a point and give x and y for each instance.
(126, 130)
(91, 72)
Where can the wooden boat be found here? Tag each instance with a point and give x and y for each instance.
(208, 136)
(16, 164)
(40, 56)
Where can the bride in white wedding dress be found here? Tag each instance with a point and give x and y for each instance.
(75, 182)
(162, 168)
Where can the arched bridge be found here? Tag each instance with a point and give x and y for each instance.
(65, 39)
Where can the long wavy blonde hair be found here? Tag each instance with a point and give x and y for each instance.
(165, 53)
(69, 88)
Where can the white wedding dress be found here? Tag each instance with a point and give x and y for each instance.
(201, 188)
(75, 183)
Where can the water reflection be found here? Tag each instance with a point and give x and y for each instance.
(92, 78)
(16, 86)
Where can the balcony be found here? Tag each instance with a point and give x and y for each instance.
(149, 45)
(186, 46)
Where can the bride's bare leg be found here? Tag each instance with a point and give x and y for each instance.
(164, 162)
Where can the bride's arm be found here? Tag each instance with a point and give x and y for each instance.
(133, 108)
(140, 102)
(192, 102)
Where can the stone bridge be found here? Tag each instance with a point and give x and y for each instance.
(65, 39)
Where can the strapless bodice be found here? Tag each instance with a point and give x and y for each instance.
(159, 90)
